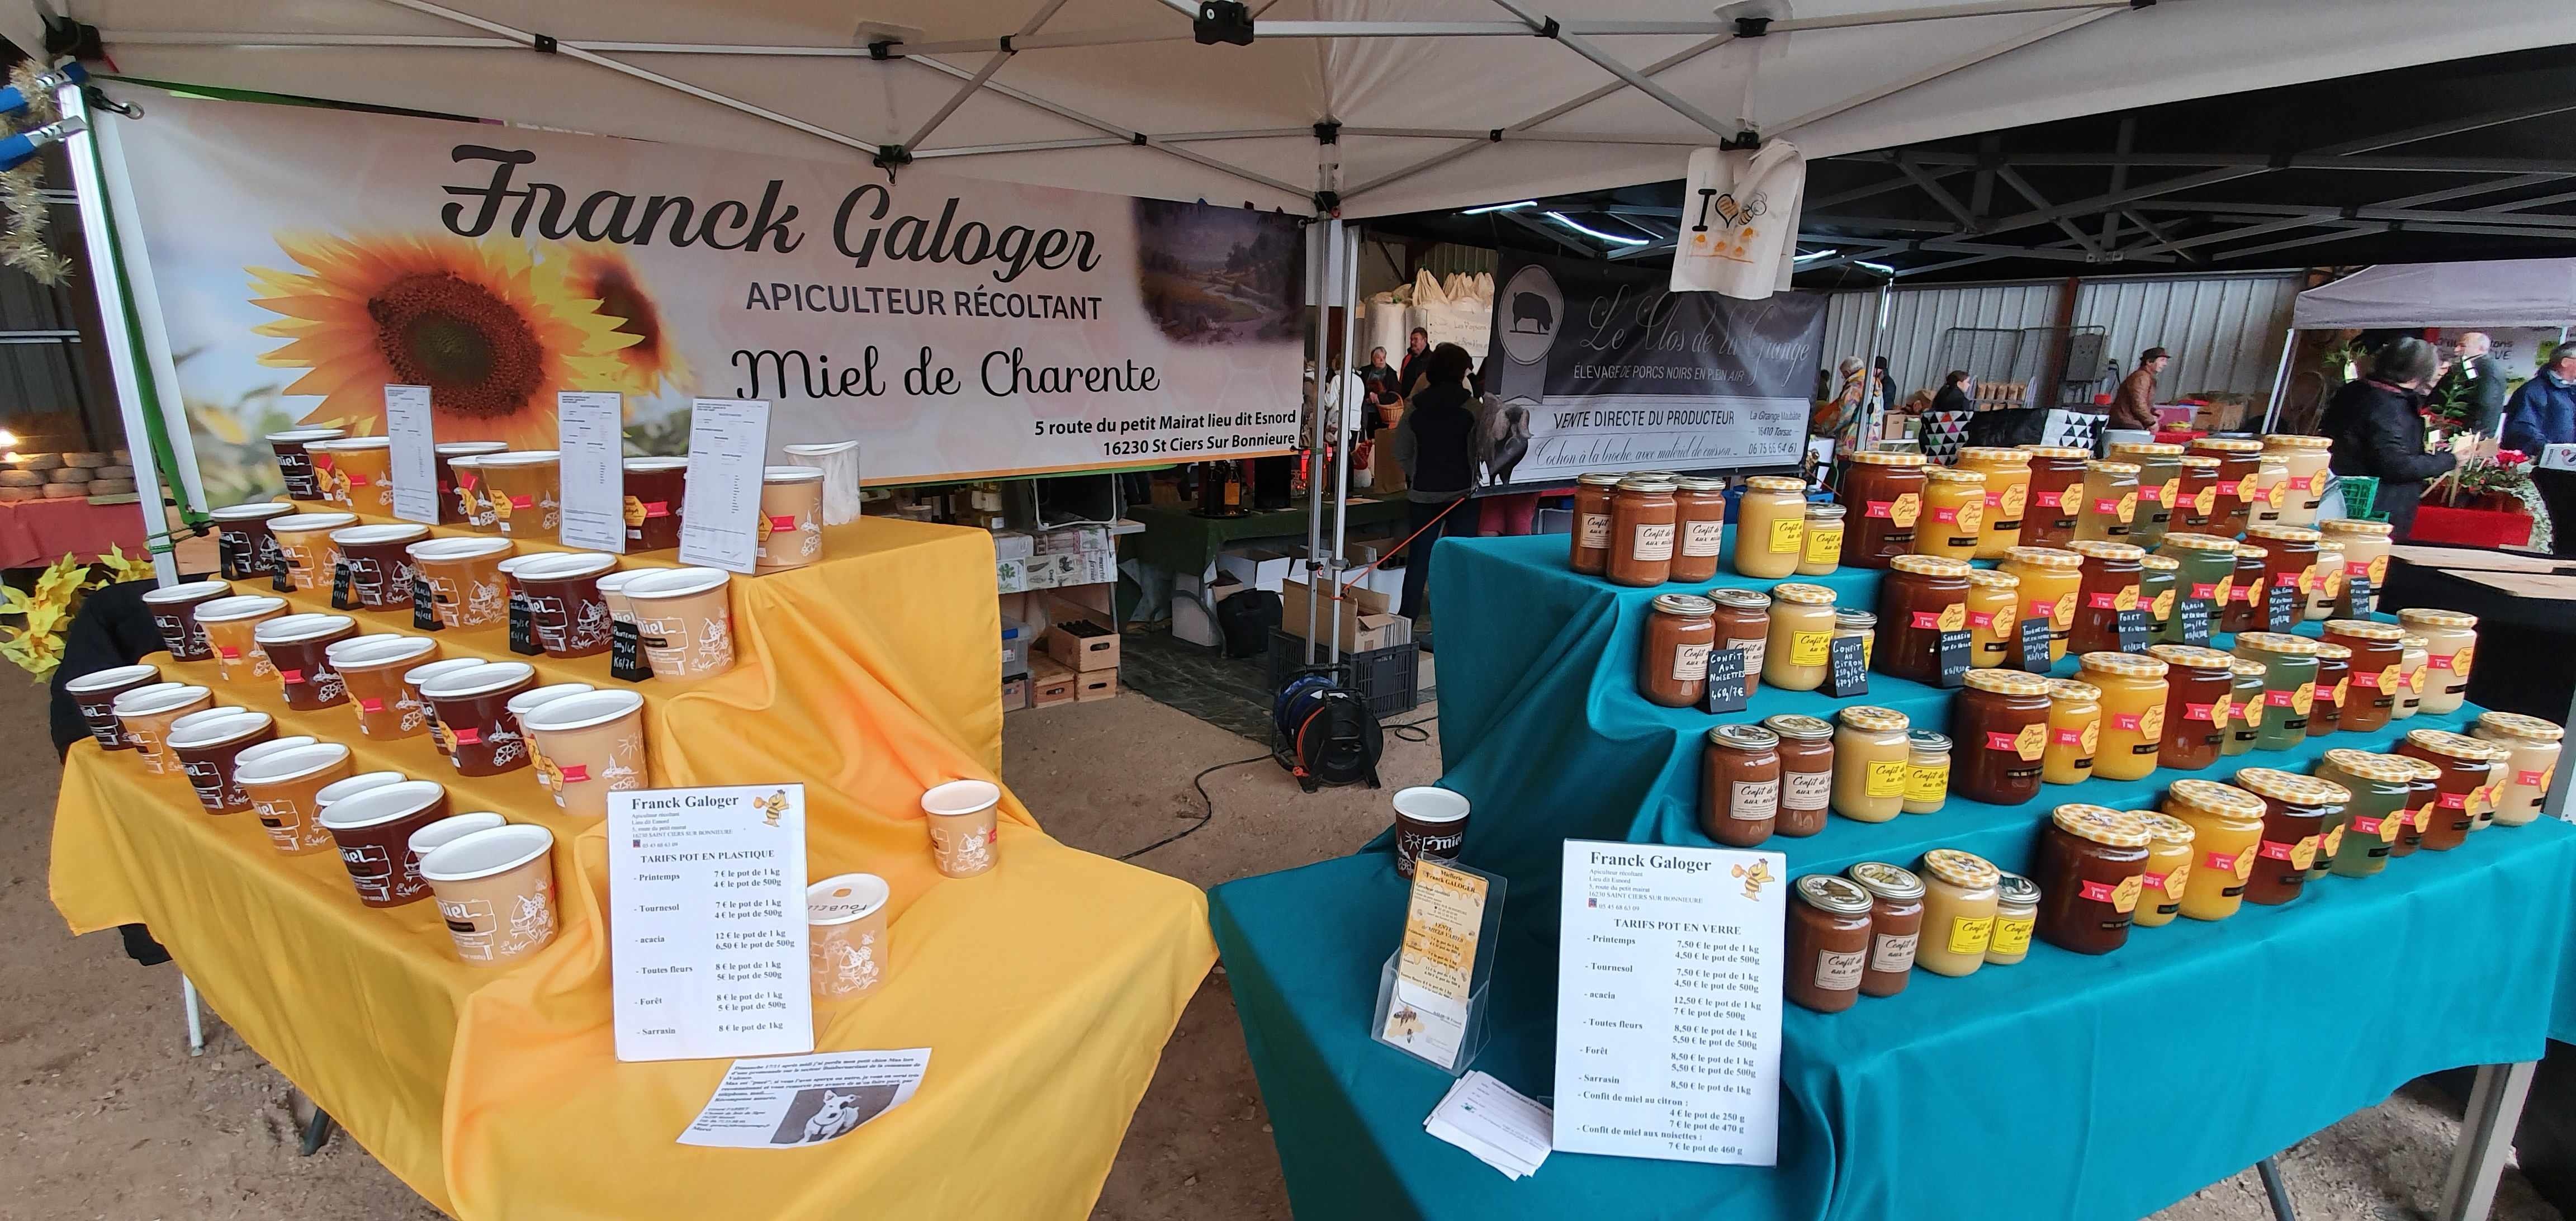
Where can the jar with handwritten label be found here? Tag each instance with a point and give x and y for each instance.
(1643, 521)
(1770, 526)
(1699, 510)
(1895, 925)
(2365, 555)
(2134, 692)
(1744, 622)
(2207, 576)
(1994, 617)
(2091, 867)
(1870, 757)
(2016, 911)
(2056, 494)
(2379, 786)
(2169, 854)
(1806, 772)
(2007, 473)
(2450, 644)
(1857, 624)
(1927, 771)
(2110, 503)
(2001, 724)
(1799, 651)
(1820, 547)
(1959, 906)
(2074, 731)
(1882, 499)
(1954, 512)
(2227, 827)
(1673, 666)
(1591, 536)
(2531, 764)
(2238, 460)
(1739, 794)
(2291, 563)
(1828, 942)
(2295, 812)
(1920, 598)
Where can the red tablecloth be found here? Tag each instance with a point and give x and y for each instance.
(34, 533)
(2470, 527)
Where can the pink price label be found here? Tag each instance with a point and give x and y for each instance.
(2000, 741)
(2052, 500)
(2363, 824)
(2366, 679)
(467, 735)
(2125, 720)
(2530, 779)
(657, 508)
(368, 705)
(1927, 619)
(2224, 862)
(2041, 608)
(2281, 699)
(2105, 506)
(2198, 712)
(2455, 801)
(1984, 619)
(574, 773)
(290, 676)
(782, 521)
(2439, 661)
(2275, 850)
(2356, 568)
(2152, 493)
(2101, 601)
(1880, 508)
(2069, 737)
(2098, 892)
(1994, 500)
(1946, 513)
(2204, 590)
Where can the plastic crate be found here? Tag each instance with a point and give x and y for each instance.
(1387, 678)
(2359, 493)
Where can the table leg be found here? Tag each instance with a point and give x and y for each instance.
(2555, 804)
(2270, 1172)
(196, 1023)
(2486, 1136)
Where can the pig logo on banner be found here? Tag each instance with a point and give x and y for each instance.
(1537, 307)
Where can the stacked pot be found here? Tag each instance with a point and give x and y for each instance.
(66, 476)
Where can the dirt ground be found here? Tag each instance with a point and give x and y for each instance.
(109, 1118)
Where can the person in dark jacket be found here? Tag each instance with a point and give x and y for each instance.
(2377, 427)
(2543, 411)
(1435, 443)
(2478, 381)
(1953, 395)
(1417, 354)
(2133, 406)
(112, 628)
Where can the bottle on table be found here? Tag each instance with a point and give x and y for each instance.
(2074, 731)
(1828, 942)
(1770, 527)
(1643, 521)
(2378, 811)
(1672, 665)
(2056, 494)
(2450, 644)
(1591, 537)
(1739, 794)
(2196, 506)
(1895, 925)
(2289, 685)
(1806, 773)
(1959, 908)
(1799, 651)
(1870, 757)
(2016, 911)
(2007, 473)
(2110, 505)
(1882, 499)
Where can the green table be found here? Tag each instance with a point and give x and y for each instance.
(1184, 544)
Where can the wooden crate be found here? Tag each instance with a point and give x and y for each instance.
(1049, 684)
(1091, 685)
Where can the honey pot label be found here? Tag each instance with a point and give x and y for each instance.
(2384, 828)
(1886, 778)
(2386, 680)
(2225, 589)
(1970, 516)
(2531, 779)
(1690, 663)
(2206, 502)
(1810, 648)
(2220, 711)
(2124, 897)
(2164, 605)
(2342, 691)
(2176, 879)
(2200, 712)
(2011, 501)
(2126, 599)
(1968, 935)
(1907, 507)
(2128, 508)
(2238, 865)
(1824, 545)
(2012, 934)
(2245, 488)
(2111, 508)
(2031, 742)
(2278, 494)
(1595, 528)
(2333, 841)
(2415, 680)
(2152, 723)
(2304, 700)
(2065, 609)
(2378, 570)
(2167, 494)
(1927, 783)
(1928, 620)
(2252, 711)
(1704, 537)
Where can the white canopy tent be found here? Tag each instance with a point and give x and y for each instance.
(2505, 292)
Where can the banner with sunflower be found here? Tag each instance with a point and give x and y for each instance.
(306, 257)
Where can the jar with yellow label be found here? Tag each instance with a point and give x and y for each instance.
(1592, 522)
(2201, 689)
(2365, 554)
(1882, 499)
(2169, 854)
(2238, 459)
(2289, 685)
(1870, 759)
(1699, 507)
(2379, 785)
(1954, 512)
(2296, 814)
(2050, 580)
(2271, 490)
(2460, 790)
(2378, 668)
(1770, 526)
(2207, 576)
(2159, 485)
(2197, 505)
(2227, 828)
(1860, 623)
(2007, 473)
(2529, 768)
(1927, 771)
(2112, 581)
(2001, 723)
(1959, 907)
(2158, 576)
(1820, 549)
(2133, 713)
(2056, 494)
(2325, 583)
(2092, 867)
(2414, 666)
(2244, 706)
(2450, 644)
(2110, 503)
(2306, 459)
(1920, 598)
(2016, 910)
(2245, 606)
(1796, 656)
(2074, 731)
(1994, 612)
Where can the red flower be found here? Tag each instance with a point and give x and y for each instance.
(2512, 457)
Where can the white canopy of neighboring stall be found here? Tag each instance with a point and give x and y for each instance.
(2504, 292)
(1442, 103)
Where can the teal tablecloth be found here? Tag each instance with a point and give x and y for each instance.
(2065, 1087)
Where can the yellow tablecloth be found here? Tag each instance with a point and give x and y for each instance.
(1045, 989)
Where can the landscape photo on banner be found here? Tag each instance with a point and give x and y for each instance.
(1598, 367)
(305, 257)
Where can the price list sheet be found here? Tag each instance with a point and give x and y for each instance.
(728, 443)
(707, 898)
(1668, 1002)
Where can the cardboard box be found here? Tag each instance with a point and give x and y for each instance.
(1091, 685)
(1040, 572)
(1049, 684)
(1381, 632)
(1093, 568)
(1357, 602)
(1084, 653)
(1193, 622)
(1013, 545)
(1015, 693)
(1079, 540)
(1256, 568)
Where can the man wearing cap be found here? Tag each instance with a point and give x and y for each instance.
(2134, 405)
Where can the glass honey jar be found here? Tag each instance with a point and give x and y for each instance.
(2091, 868)
(2074, 731)
(2227, 828)
(2112, 580)
(1820, 549)
(2246, 597)
(1591, 539)
(1959, 907)
(2050, 582)
(1770, 527)
(1699, 510)
(2450, 646)
(2169, 853)
(2197, 504)
(2378, 809)
(1920, 598)
(2159, 485)
(1954, 513)
(2238, 460)
(2110, 504)
(1870, 758)
(2056, 494)
(2007, 473)
(1882, 499)
(2134, 693)
(1994, 616)
(1800, 648)
(1643, 521)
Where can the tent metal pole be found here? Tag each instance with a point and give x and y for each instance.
(1338, 255)
(1315, 292)
(1611, 64)
(2281, 379)
(1096, 124)
(1970, 60)
(117, 328)
(1001, 56)
(1185, 137)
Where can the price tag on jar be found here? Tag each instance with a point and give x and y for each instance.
(1726, 681)
(1847, 667)
(341, 598)
(523, 624)
(2133, 630)
(1954, 649)
(424, 605)
(280, 570)
(2281, 612)
(626, 652)
(2033, 636)
(2196, 614)
(2357, 598)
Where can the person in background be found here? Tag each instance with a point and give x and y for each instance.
(1435, 443)
(2377, 426)
(2133, 406)
(1882, 388)
(1417, 349)
(1377, 385)
(2543, 411)
(2479, 382)
(1953, 395)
